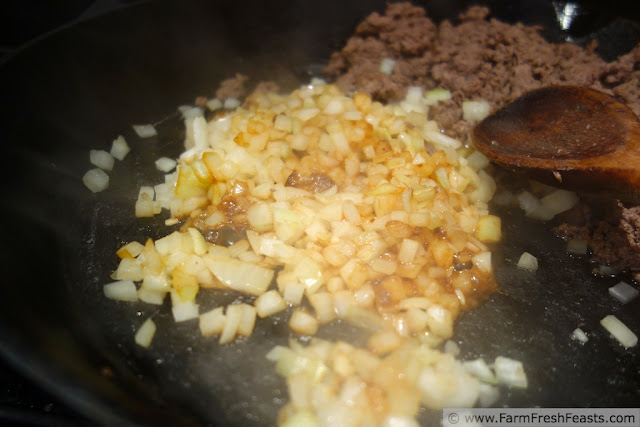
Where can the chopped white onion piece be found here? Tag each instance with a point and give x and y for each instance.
(101, 159)
(482, 260)
(241, 276)
(303, 418)
(145, 206)
(128, 269)
(577, 246)
(212, 322)
(387, 65)
(247, 320)
(189, 112)
(579, 335)
(533, 207)
(504, 197)
(414, 95)
(183, 310)
(451, 347)
(233, 317)
(475, 110)
(145, 333)
(120, 148)
(151, 296)
(399, 421)
(619, 331)
(145, 131)
(624, 292)
(510, 372)
(269, 303)
(442, 139)
(559, 201)
(130, 250)
(149, 191)
(528, 262)
(122, 290)
(438, 95)
(96, 180)
(477, 161)
(166, 164)
(481, 370)
(231, 103)
(488, 395)
(214, 104)
(303, 322)
(200, 133)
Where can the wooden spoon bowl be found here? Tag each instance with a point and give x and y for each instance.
(569, 137)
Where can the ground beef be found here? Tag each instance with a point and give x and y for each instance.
(479, 58)
(611, 229)
(484, 59)
(233, 87)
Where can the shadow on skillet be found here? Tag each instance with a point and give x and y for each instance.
(80, 88)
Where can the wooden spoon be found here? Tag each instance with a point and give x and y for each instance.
(569, 137)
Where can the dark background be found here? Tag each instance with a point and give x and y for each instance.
(22, 23)
(25, 22)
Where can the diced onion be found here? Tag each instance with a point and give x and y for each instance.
(128, 269)
(166, 164)
(183, 310)
(579, 335)
(510, 372)
(329, 250)
(231, 103)
(269, 303)
(481, 370)
(489, 229)
(624, 292)
(214, 104)
(247, 320)
(414, 95)
(528, 262)
(120, 148)
(533, 207)
(130, 250)
(241, 276)
(122, 290)
(96, 180)
(145, 333)
(482, 260)
(619, 331)
(477, 161)
(387, 65)
(438, 95)
(559, 201)
(475, 110)
(101, 159)
(212, 322)
(301, 419)
(451, 347)
(190, 112)
(399, 421)
(145, 131)
(488, 395)
(303, 322)
(151, 296)
(442, 139)
(233, 316)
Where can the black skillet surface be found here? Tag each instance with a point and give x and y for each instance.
(80, 88)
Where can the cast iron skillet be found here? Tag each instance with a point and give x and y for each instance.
(80, 88)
